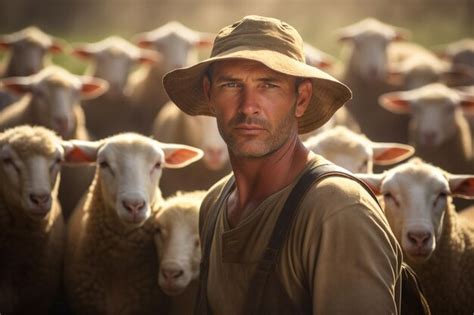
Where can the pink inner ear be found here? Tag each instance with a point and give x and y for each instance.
(324, 64)
(77, 155)
(465, 188)
(56, 48)
(4, 45)
(81, 53)
(390, 154)
(16, 87)
(204, 42)
(179, 156)
(395, 104)
(143, 43)
(90, 87)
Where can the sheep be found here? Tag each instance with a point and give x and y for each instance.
(438, 130)
(111, 265)
(437, 242)
(356, 152)
(178, 247)
(52, 100)
(32, 234)
(28, 49)
(112, 60)
(173, 125)
(319, 59)
(461, 56)
(176, 44)
(365, 73)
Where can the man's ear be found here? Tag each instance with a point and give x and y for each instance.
(305, 92)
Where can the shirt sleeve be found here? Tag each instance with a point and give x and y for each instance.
(355, 260)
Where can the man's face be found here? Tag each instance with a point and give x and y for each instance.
(256, 108)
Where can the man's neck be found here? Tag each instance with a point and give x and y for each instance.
(258, 178)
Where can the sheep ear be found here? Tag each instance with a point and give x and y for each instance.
(4, 43)
(374, 181)
(93, 87)
(17, 85)
(143, 41)
(395, 77)
(180, 155)
(391, 153)
(461, 186)
(205, 40)
(467, 103)
(149, 57)
(80, 151)
(82, 51)
(401, 34)
(58, 46)
(396, 102)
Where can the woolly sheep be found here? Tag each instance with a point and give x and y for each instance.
(176, 43)
(112, 60)
(27, 55)
(173, 125)
(111, 266)
(437, 242)
(52, 99)
(438, 130)
(365, 73)
(356, 152)
(461, 56)
(178, 247)
(32, 232)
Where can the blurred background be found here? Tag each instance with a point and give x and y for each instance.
(432, 22)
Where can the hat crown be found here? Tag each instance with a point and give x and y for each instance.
(260, 33)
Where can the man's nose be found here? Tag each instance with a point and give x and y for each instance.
(249, 104)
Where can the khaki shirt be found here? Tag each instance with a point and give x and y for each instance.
(340, 256)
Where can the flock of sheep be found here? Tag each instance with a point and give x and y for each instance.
(98, 218)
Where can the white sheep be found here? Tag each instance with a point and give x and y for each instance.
(355, 152)
(365, 73)
(32, 234)
(179, 251)
(111, 265)
(112, 60)
(438, 129)
(52, 99)
(173, 125)
(177, 45)
(28, 50)
(437, 242)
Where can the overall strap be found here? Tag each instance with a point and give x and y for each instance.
(269, 259)
(209, 227)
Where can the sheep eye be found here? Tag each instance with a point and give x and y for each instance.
(157, 165)
(7, 160)
(389, 196)
(103, 164)
(441, 197)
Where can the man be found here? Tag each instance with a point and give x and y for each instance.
(339, 256)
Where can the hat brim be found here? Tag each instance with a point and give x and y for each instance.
(185, 89)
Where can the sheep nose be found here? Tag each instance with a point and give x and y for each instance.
(172, 272)
(214, 153)
(429, 137)
(134, 206)
(419, 238)
(40, 199)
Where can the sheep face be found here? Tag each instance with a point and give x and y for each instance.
(416, 198)
(129, 167)
(28, 50)
(54, 95)
(29, 169)
(216, 155)
(176, 43)
(179, 249)
(113, 60)
(129, 175)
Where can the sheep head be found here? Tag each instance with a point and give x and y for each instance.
(128, 171)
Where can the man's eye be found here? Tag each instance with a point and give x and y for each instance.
(230, 85)
(269, 85)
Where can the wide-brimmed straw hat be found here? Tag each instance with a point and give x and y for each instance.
(273, 43)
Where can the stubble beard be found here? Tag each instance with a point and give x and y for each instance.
(273, 139)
